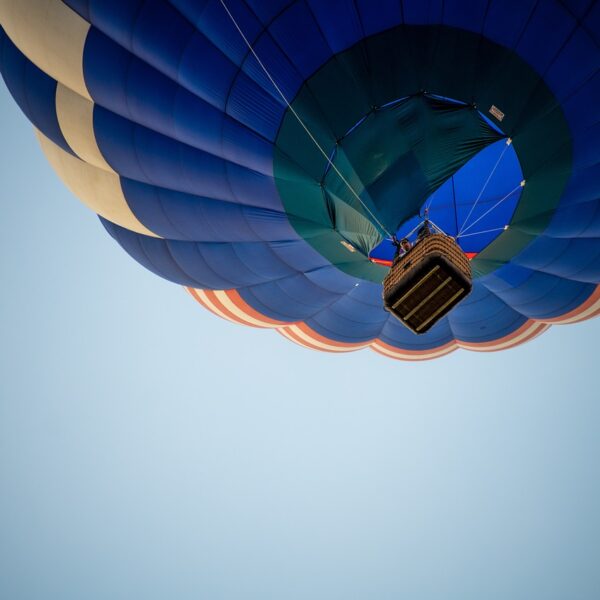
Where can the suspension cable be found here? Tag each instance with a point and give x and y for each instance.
(437, 227)
(301, 122)
(413, 230)
(462, 227)
(487, 212)
(464, 235)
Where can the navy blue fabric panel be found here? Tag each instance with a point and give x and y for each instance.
(506, 20)
(339, 22)
(593, 22)
(106, 71)
(256, 107)
(541, 252)
(291, 30)
(495, 327)
(478, 307)
(119, 140)
(267, 11)
(578, 7)
(305, 291)
(252, 86)
(131, 88)
(160, 35)
(242, 146)
(239, 264)
(32, 89)
(576, 220)
(176, 215)
(252, 188)
(220, 266)
(475, 304)
(542, 296)
(253, 296)
(299, 255)
(271, 226)
(469, 16)
(536, 46)
(577, 259)
(152, 22)
(206, 71)
(505, 278)
(423, 13)
(173, 254)
(332, 280)
(199, 125)
(568, 297)
(352, 309)
(368, 293)
(208, 265)
(141, 154)
(153, 30)
(152, 253)
(586, 150)
(582, 109)
(210, 18)
(330, 324)
(379, 15)
(483, 317)
(395, 334)
(349, 320)
(292, 299)
(190, 257)
(582, 187)
(116, 18)
(258, 258)
(577, 62)
(81, 7)
(278, 67)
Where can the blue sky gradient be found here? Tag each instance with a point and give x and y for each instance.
(151, 450)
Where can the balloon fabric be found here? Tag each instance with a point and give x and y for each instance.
(263, 153)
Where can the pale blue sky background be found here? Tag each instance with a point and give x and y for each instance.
(151, 450)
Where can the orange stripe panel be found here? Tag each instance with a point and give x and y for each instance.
(302, 334)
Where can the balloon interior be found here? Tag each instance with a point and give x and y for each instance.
(268, 155)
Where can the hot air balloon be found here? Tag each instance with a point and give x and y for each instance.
(265, 154)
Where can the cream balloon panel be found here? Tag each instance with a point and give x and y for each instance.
(97, 188)
(53, 37)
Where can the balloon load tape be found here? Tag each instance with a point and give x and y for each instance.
(427, 282)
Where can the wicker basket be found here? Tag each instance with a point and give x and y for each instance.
(427, 282)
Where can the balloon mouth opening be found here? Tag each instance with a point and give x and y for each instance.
(337, 104)
(392, 165)
(465, 207)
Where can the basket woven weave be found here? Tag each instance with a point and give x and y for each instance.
(434, 243)
(424, 284)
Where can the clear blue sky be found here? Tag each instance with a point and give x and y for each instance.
(151, 450)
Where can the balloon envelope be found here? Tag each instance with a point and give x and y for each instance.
(261, 153)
